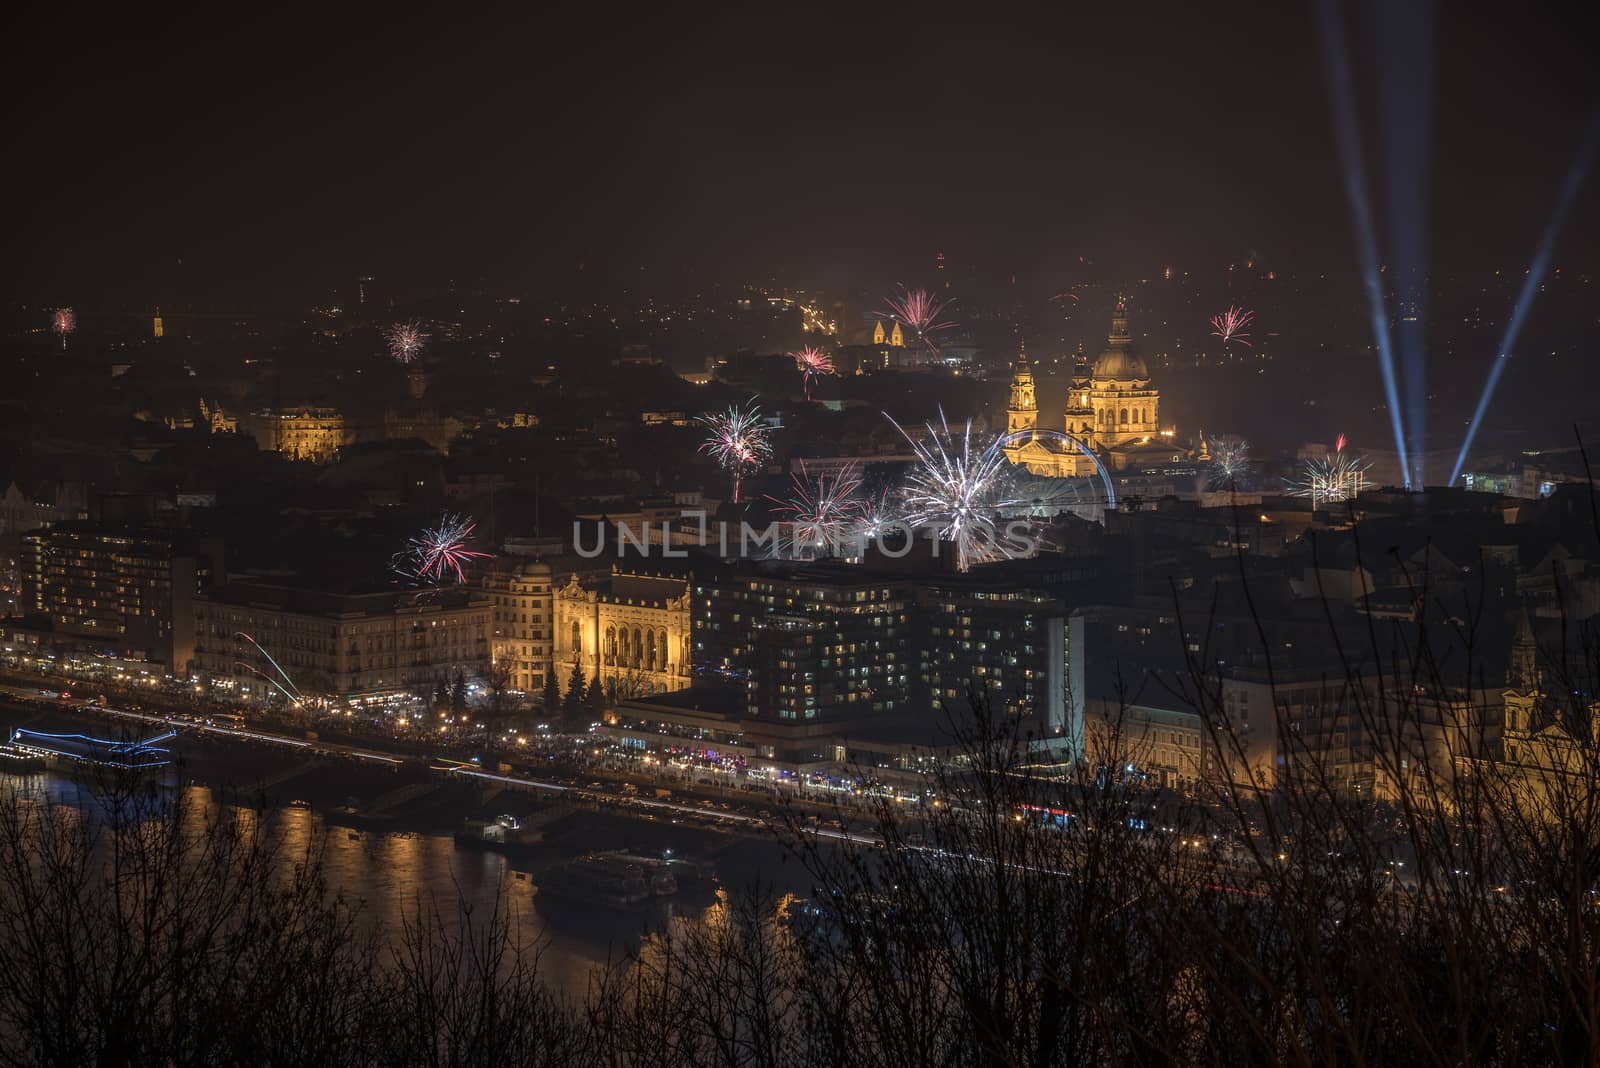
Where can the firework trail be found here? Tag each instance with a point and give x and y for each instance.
(440, 551)
(957, 487)
(825, 511)
(812, 362)
(920, 310)
(739, 441)
(1333, 478)
(1230, 459)
(1229, 326)
(291, 691)
(405, 341)
(64, 321)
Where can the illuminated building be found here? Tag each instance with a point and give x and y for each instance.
(340, 645)
(49, 503)
(1545, 750)
(836, 643)
(1162, 745)
(315, 434)
(128, 587)
(1114, 409)
(519, 589)
(215, 420)
(630, 630)
(156, 327)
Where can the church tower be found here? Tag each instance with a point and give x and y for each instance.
(1523, 671)
(1126, 405)
(1080, 413)
(1023, 411)
(1522, 694)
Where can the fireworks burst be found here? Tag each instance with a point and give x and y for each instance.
(739, 441)
(812, 362)
(1332, 478)
(920, 310)
(405, 341)
(440, 551)
(1229, 326)
(825, 511)
(958, 486)
(878, 514)
(1230, 459)
(64, 321)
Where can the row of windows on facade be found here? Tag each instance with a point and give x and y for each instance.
(639, 647)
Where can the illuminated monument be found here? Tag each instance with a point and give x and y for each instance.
(1113, 409)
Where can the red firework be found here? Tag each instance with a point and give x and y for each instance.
(64, 322)
(921, 311)
(812, 362)
(1229, 326)
(441, 551)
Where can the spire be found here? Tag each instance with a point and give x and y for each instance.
(1119, 322)
(1023, 411)
(1524, 667)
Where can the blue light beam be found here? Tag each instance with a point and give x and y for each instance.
(1576, 176)
(1407, 35)
(1342, 100)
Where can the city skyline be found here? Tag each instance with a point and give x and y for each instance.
(773, 535)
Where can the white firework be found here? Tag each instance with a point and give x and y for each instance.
(740, 440)
(405, 341)
(823, 512)
(1230, 459)
(1332, 478)
(959, 487)
(878, 516)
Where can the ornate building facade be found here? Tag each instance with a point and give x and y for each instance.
(1112, 409)
(630, 631)
(519, 592)
(315, 434)
(340, 646)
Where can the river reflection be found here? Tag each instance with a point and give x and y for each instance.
(390, 873)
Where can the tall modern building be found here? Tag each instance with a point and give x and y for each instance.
(846, 644)
(130, 587)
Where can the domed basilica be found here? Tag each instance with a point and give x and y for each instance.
(1113, 410)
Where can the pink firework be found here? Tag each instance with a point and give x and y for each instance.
(405, 341)
(920, 310)
(64, 322)
(440, 551)
(739, 441)
(812, 363)
(1229, 326)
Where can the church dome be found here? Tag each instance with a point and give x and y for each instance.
(1119, 361)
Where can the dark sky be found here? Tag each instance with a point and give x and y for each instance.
(275, 152)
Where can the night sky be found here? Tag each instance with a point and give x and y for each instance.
(275, 153)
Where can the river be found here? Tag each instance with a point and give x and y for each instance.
(411, 855)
